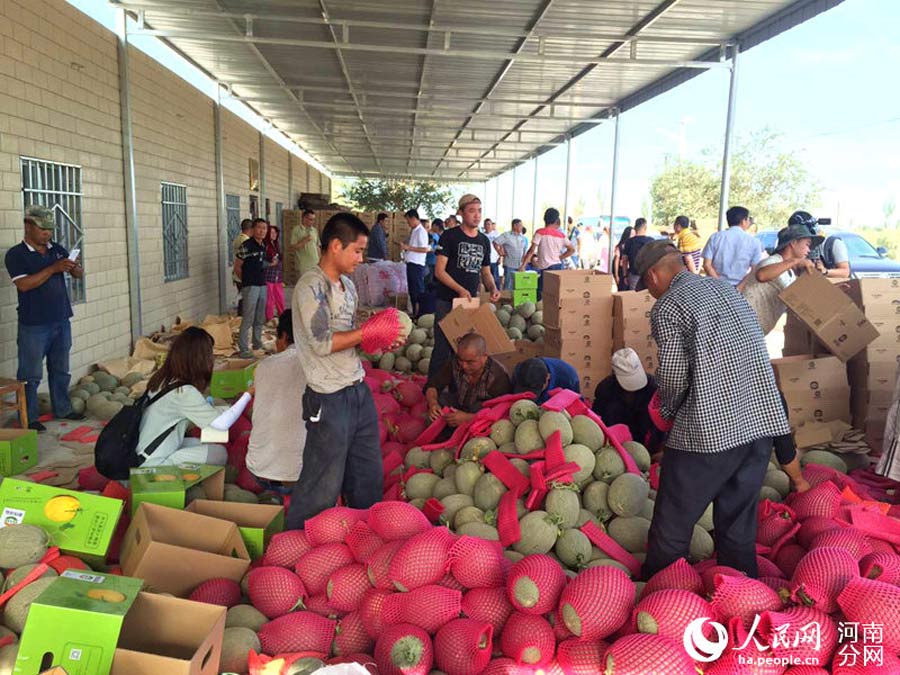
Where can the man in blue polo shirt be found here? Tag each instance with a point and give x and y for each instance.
(542, 374)
(38, 267)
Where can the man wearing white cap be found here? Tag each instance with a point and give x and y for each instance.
(624, 397)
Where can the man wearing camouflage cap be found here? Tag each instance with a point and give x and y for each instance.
(38, 267)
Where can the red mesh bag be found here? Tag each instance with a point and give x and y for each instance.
(810, 528)
(560, 629)
(451, 582)
(404, 650)
(286, 548)
(318, 604)
(669, 612)
(422, 560)
(816, 474)
(806, 670)
(224, 592)
(379, 565)
(641, 654)
(477, 563)
(775, 520)
(847, 538)
(351, 636)
(890, 665)
(580, 657)
(362, 542)
(788, 557)
(597, 602)
(397, 520)
(315, 567)
(408, 394)
(347, 586)
(743, 597)
(528, 639)
(766, 568)
(332, 525)
(428, 607)
(275, 591)
(884, 567)
(824, 501)
(504, 666)
(881, 546)
(679, 575)
(297, 632)
(780, 585)
(534, 584)
(801, 634)
(868, 601)
(709, 576)
(371, 609)
(821, 576)
(67, 562)
(487, 605)
(381, 331)
(463, 647)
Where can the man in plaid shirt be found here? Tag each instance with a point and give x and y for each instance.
(717, 390)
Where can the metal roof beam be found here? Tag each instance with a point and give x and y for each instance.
(422, 68)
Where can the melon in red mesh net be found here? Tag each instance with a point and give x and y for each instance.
(800, 634)
(490, 605)
(332, 525)
(275, 591)
(286, 548)
(371, 609)
(408, 394)
(319, 604)
(766, 568)
(709, 576)
(821, 576)
(744, 598)
(362, 542)
(787, 558)
(780, 585)
(297, 632)
(505, 666)
(477, 563)
(880, 545)
(397, 520)
(824, 501)
(642, 654)
(428, 607)
(347, 586)
(580, 657)
(351, 636)
(560, 629)
(874, 602)
(597, 602)
(379, 565)
(451, 582)
(224, 592)
(423, 559)
(463, 646)
(315, 567)
(775, 520)
(679, 574)
(852, 540)
(535, 583)
(884, 567)
(528, 639)
(669, 612)
(810, 528)
(404, 650)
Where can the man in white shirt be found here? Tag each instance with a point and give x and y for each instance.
(512, 246)
(490, 231)
(275, 455)
(416, 254)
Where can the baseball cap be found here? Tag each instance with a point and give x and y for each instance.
(531, 375)
(652, 253)
(629, 370)
(467, 199)
(41, 216)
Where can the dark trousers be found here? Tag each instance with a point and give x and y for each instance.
(495, 272)
(731, 480)
(441, 352)
(342, 455)
(552, 268)
(415, 284)
(50, 341)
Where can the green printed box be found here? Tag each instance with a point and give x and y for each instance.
(232, 378)
(77, 522)
(167, 485)
(523, 281)
(256, 522)
(519, 297)
(18, 451)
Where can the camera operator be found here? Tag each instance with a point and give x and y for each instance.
(831, 257)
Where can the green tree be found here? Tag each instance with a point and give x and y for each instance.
(369, 194)
(684, 187)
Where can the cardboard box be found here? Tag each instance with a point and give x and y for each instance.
(166, 485)
(524, 349)
(596, 312)
(256, 522)
(807, 407)
(75, 623)
(577, 339)
(808, 374)
(632, 334)
(590, 380)
(77, 522)
(633, 305)
(232, 378)
(888, 332)
(570, 284)
(462, 321)
(18, 451)
(878, 298)
(522, 296)
(525, 280)
(175, 551)
(830, 314)
(878, 375)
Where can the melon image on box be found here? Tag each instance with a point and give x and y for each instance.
(256, 522)
(232, 378)
(18, 451)
(175, 551)
(78, 523)
(168, 485)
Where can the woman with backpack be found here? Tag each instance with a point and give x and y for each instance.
(176, 400)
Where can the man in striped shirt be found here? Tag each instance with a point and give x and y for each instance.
(717, 390)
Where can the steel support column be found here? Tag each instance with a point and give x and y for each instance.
(534, 197)
(131, 217)
(221, 213)
(565, 217)
(262, 176)
(513, 200)
(729, 135)
(496, 196)
(612, 190)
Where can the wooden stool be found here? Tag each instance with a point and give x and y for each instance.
(8, 386)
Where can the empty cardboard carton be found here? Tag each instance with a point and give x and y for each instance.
(167, 485)
(256, 522)
(232, 378)
(805, 373)
(18, 451)
(463, 320)
(175, 551)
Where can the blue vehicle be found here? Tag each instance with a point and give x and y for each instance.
(865, 259)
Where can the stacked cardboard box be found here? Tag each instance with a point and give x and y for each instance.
(816, 389)
(578, 318)
(524, 287)
(631, 326)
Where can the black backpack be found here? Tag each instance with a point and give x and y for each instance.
(115, 452)
(828, 253)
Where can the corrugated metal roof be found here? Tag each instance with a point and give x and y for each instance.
(453, 89)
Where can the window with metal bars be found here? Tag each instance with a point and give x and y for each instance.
(175, 231)
(58, 186)
(233, 215)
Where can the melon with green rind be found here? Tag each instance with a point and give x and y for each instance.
(638, 453)
(573, 548)
(450, 470)
(824, 458)
(526, 310)
(91, 387)
(406, 324)
(427, 352)
(439, 460)
(502, 432)
(585, 516)
(22, 545)
(423, 365)
(467, 514)
(417, 457)
(245, 616)
(563, 504)
(586, 431)
(418, 336)
(627, 494)
(480, 530)
(386, 362)
(477, 448)
(8, 655)
(194, 492)
(79, 392)
(514, 333)
(16, 575)
(132, 379)
(503, 317)
(702, 545)
(769, 493)
(421, 486)
(528, 437)
(418, 502)
(521, 466)
(452, 504)
(552, 421)
(77, 405)
(425, 321)
(524, 410)
(305, 666)
(647, 510)
(608, 465)
(16, 610)
(584, 458)
(535, 332)
(488, 492)
(414, 352)
(513, 556)
(235, 494)
(630, 532)
(608, 562)
(538, 533)
(518, 322)
(594, 498)
(706, 520)
(466, 476)
(402, 364)
(236, 645)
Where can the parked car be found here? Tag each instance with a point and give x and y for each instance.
(865, 259)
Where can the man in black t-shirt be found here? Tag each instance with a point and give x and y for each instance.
(463, 259)
(249, 266)
(632, 247)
